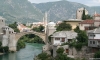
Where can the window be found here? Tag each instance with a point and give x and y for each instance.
(63, 40)
(93, 42)
(92, 35)
(66, 50)
(90, 42)
(57, 38)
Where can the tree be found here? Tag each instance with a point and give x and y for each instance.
(38, 29)
(61, 56)
(82, 37)
(63, 27)
(88, 17)
(77, 29)
(83, 15)
(43, 56)
(97, 54)
(14, 26)
(60, 50)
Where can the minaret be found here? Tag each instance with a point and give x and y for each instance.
(46, 27)
(45, 22)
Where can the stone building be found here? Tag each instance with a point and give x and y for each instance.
(94, 39)
(7, 35)
(51, 28)
(73, 22)
(79, 13)
(96, 16)
(61, 37)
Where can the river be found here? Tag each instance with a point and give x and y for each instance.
(27, 53)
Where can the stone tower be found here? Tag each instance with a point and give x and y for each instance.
(79, 13)
(2, 24)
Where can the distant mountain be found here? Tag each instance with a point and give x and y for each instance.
(63, 10)
(96, 8)
(19, 10)
(24, 11)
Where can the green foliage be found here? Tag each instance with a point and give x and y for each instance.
(43, 56)
(20, 44)
(4, 49)
(38, 40)
(38, 29)
(0, 43)
(29, 38)
(14, 26)
(60, 50)
(88, 17)
(97, 54)
(77, 29)
(64, 27)
(82, 37)
(62, 57)
(49, 37)
(83, 15)
(78, 46)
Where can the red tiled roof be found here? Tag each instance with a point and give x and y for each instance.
(97, 15)
(22, 26)
(87, 22)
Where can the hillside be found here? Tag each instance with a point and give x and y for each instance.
(62, 10)
(19, 10)
(23, 10)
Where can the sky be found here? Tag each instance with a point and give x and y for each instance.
(86, 2)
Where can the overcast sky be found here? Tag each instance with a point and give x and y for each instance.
(86, 2)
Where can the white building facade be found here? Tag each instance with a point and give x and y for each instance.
(61, 37)
(94, 38)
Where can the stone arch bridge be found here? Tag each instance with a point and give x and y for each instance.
(41, 35)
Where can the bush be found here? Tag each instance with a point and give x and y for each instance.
(97, 54)
(60, 50)
(78, 46)
(64, 27)
(4, 49)
(20, 44)
(43, 56)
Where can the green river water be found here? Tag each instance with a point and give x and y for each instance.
(28, 53)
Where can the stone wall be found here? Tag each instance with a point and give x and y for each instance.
(12, 42)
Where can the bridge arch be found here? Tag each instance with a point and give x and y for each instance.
(41, 35)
